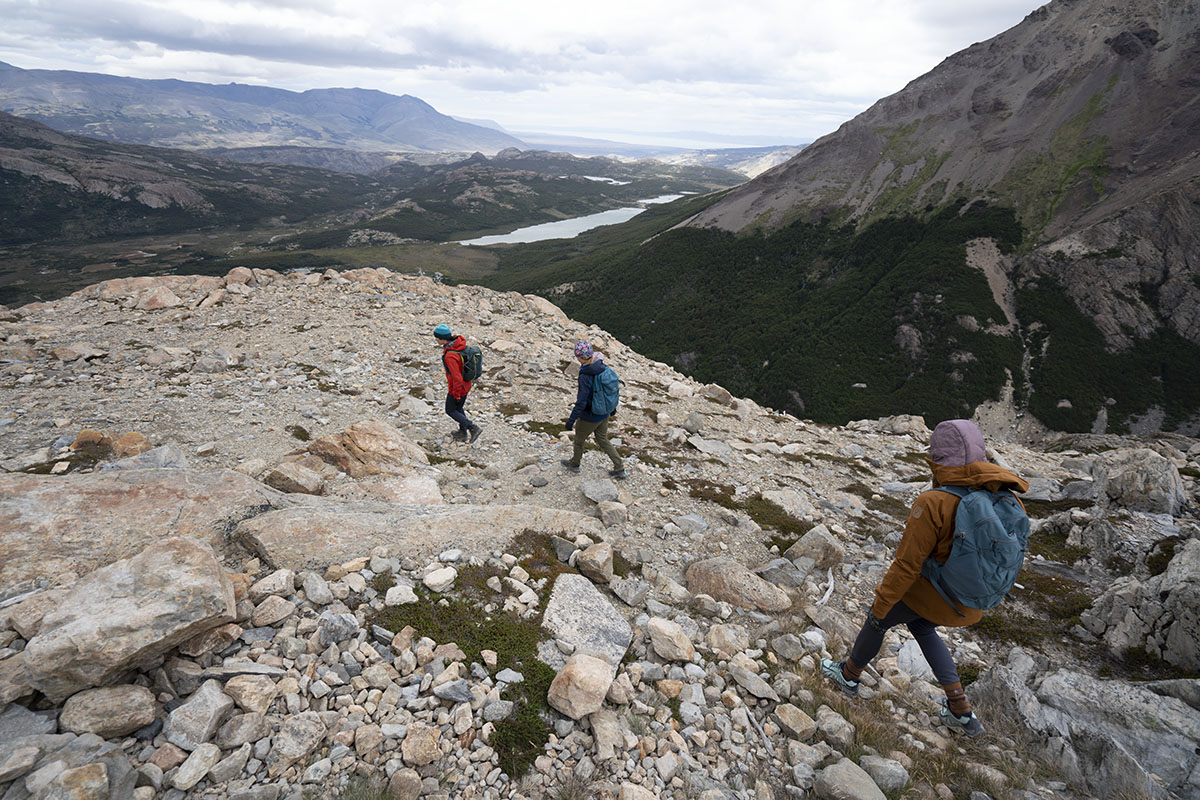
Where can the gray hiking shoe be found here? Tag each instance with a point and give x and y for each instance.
(833, 671)
(970, 724)
(459, 436)
(473, 434)
(571, 467)
(619, 474)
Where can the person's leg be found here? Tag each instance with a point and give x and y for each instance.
(454, 410)
(870, 639)
(606, 445)
(582, 431)
(942, 664)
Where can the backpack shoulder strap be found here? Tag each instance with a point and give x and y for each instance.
(957, 491)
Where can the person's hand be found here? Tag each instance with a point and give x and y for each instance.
(568, 425)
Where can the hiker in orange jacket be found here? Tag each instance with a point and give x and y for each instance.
(957, 457)
(458, 389)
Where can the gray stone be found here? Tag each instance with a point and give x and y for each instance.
(782, 572)
(203, 758)
(1140, 480)
(333, 628)
(127, 614)
(889, 775)
(578, 614)
(498, 710)
(845, 780)
(168, 456)
(316, 589)
(17, 722)
(631, 591)
(243, 729)
(195, 722)
(752, 683)
(299, 735)
(600, 491)
(455, 691)
(820, 545)
(231, 766)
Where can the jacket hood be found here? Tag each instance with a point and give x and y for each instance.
(457, 343)
(956, 442)
(594, 368)
(978, 473)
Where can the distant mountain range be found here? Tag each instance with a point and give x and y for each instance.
(172, 113)
(1018, 229)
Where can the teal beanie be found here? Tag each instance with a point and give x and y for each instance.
(443, 331)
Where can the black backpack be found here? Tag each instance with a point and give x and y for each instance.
(472, 360)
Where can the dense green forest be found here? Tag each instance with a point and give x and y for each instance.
(811, 318)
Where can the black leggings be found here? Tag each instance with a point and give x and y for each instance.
(454, 410)
(867, 645)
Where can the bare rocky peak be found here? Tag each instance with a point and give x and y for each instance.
(1071, 116)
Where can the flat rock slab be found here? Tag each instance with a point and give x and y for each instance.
(78, 523)
(331, 533)
(578, 614)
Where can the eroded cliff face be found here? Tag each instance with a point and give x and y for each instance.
(1071, 116)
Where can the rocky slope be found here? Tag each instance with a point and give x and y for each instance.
(172, 113)
(243, 558)
(1081, 118)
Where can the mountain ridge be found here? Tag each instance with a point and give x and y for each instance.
(175, 113)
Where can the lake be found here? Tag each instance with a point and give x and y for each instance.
(567, 228)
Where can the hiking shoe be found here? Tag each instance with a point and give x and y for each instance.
(571, 467)
(970, 724)
(833, 671)
(619, 474)
(459, 436)
(473, 434)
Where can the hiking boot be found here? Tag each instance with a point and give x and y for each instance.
(619, 474)
(473, 434)
(459, 436)
(570, 467)
(970, 724)
(833, 671)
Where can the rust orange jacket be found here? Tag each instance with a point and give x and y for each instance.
(930, 532)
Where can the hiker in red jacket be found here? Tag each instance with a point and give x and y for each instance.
(458, 389)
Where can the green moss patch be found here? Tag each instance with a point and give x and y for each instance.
(1040, 509)
(1053, 546)
(1161, 554)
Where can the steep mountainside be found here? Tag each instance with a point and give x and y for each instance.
(173, 113)
(1020, 224)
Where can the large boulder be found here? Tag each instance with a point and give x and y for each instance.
(584, 620)
(728, 580)
(1161, 615)
(75, 767)
(371, 447)
(1140, 480)
(1117, 739)
(127, 614)
(580, 686)
(75, 523)
(335, 532)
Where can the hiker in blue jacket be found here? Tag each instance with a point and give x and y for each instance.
(586, 423)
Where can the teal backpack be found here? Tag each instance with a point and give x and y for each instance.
(606, 392)
(991, 532)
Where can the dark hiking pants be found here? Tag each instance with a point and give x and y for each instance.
(869, 640)
(454, 410)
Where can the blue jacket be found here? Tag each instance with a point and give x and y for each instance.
(583, 398)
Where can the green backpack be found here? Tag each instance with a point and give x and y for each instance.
(472, 360)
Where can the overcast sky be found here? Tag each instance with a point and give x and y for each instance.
(782, 71)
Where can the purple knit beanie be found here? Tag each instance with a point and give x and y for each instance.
(583, 350)
(956, 442)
